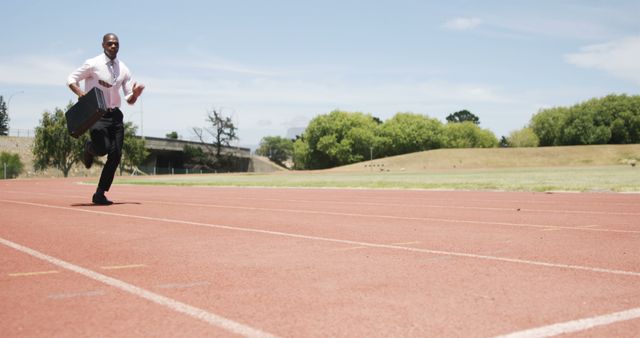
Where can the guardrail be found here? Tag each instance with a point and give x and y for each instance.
(175, 171)
(21, 133)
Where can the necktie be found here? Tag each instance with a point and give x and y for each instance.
(112, 70)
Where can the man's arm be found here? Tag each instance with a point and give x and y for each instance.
(78, 75)
(76, 89)
(135, 93)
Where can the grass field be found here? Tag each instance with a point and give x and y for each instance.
(619, 178)
(574, 168)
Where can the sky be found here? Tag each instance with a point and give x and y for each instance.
(272, 66)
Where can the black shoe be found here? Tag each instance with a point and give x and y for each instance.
(100, 199)
(87, 157)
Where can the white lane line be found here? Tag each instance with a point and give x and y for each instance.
(430, 219)
(344, 241)
(424, 205)
(427, 203)
(181, 285)
(579, 227)
(406, 243)
(350, 248)
(77, 294)
(575, 325)
(34, 273)
(551, 227)
(120, 267)
(169, 303)
(449, 206)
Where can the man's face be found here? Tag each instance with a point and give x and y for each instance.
(111, 45)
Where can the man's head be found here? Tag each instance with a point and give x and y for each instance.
(111, 45)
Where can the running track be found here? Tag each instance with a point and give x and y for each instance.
(218, 262)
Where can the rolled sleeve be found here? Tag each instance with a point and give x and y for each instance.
(127, 87)
(80, 74)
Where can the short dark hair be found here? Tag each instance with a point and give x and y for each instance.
(104, 38)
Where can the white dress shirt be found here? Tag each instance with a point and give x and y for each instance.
(96, 72)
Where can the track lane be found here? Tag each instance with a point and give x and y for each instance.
(66, 303)
(383, 296)
(319, 260)
(538, 242)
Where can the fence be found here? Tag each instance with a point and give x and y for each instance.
(175, 171)
(239, 164)
(21, 132)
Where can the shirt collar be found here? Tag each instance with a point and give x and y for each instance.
(107, 60)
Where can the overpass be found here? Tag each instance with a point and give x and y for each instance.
(169, 153)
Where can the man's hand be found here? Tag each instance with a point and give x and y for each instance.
(76, 89)
(137, 91)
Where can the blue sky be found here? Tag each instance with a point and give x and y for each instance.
(274, 65)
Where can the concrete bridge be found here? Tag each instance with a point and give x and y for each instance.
(168, 153)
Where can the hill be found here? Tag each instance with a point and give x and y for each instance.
(488, 158)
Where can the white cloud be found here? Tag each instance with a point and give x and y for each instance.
(227, 66)
(618, 58)
(202, 60)
(309, 91)
(461, 24)
(263, 104)
(551, 28)
(36, 70)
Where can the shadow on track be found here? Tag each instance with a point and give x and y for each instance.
(98, 205)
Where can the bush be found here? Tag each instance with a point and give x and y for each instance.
(524, 137)
(468, 135)
(12, 164)
(614, 119)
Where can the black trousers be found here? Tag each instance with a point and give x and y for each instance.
(107, 136)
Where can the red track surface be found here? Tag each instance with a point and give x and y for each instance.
(192, 261)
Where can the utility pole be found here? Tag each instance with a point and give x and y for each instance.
(141, 122)
(11, 96)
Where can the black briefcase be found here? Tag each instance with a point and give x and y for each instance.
(86, 112)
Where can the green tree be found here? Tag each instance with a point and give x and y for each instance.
(301, 154)
(4, 118)
(463, 116)
(134, 151)
(548, 124)
(626, 128)
(277, 149)
(524, 137)
(338, 138)
(10, 165)
(407, 132)
(468, 135)
(173, 135)
(610, 119)
(53, 146)
(625, 124)
(196, 157)
(581, 128)
(619, 114)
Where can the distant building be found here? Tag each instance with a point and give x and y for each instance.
(293, 132)
(169, 153)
